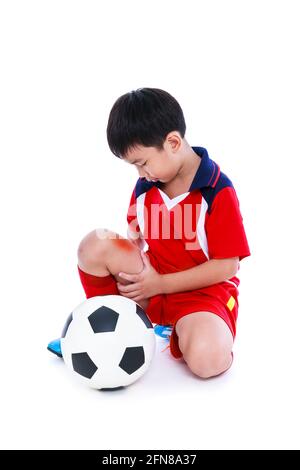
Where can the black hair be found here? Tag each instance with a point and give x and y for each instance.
(143, 117)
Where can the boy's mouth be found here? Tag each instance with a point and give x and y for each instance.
(152, 180)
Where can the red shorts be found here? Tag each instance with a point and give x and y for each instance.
(220, 299)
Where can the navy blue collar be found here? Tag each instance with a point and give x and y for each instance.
(208, 172)
(207, 175)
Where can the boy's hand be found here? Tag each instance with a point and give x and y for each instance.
(145, 284)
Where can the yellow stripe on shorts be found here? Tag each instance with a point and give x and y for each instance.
(231, 303)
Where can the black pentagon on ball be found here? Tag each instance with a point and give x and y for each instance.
(142, 314)
(83, 365)
(103, 319)
(133, 358)
(111, 389)
(67, 324)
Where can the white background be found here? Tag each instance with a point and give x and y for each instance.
(234, 68)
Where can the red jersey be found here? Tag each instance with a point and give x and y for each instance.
(202, 224)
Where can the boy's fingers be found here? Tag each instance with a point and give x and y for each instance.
(129, 288)
(130, 277)
(131, 295)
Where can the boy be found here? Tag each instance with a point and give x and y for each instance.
(186, 212)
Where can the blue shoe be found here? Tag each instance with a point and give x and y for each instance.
(55, 347)
(164, 331)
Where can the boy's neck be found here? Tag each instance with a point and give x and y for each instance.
(190, 164)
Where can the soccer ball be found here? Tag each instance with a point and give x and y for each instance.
(108, 341)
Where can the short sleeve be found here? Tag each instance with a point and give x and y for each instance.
(132, 220)
(226, 237)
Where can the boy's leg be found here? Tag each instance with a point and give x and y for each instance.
(103, 254)
(205, 341)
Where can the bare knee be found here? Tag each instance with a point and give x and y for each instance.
(206, 360)
(102, 252)
(93, 248)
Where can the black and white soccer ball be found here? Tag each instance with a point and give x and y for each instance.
(108, 341)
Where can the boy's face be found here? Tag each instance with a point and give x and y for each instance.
(155, 165)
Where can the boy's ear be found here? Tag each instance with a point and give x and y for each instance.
(174, 140)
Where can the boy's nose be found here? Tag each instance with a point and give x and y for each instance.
(142, 173)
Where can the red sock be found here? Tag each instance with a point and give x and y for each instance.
(95, 285)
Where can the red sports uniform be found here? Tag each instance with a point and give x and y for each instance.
(180, 233)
